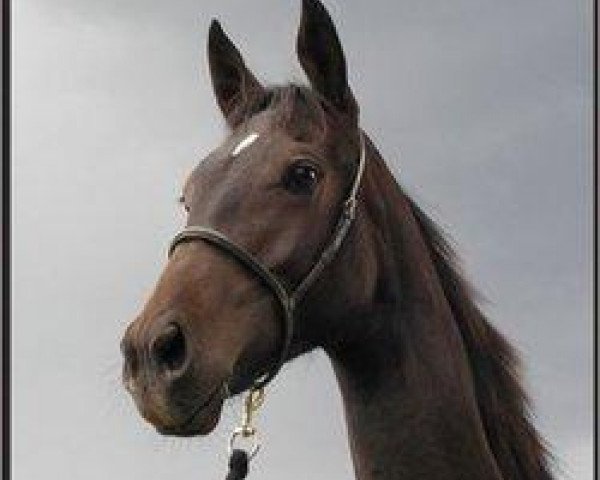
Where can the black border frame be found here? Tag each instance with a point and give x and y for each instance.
(6, 237)
(6, 258)
(595, 228)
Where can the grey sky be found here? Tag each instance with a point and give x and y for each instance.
(482, 109)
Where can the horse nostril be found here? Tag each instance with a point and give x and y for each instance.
(169, 349)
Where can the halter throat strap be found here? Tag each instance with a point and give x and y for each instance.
(288, 300)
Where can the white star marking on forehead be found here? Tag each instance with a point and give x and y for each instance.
(245, 143)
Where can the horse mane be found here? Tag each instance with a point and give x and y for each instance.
(503, 404)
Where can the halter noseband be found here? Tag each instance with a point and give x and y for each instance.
(287, 300)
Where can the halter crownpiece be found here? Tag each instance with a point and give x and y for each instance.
(288, 300)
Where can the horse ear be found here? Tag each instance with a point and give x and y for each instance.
(322, 58)
(233, 83)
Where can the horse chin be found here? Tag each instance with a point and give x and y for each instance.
(201, 422)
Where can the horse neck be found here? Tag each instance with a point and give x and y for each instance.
(402, 365)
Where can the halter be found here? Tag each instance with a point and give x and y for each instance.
(288, 300)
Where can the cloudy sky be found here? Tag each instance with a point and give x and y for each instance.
(481, 108)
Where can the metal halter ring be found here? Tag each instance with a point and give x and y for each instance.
(245, 433)
(253, 402)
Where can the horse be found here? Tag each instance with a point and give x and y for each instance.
(431, 390)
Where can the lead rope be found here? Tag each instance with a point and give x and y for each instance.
(239, 459)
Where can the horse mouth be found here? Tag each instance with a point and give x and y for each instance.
(201, 421)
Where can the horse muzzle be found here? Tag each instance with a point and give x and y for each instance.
(168, 389)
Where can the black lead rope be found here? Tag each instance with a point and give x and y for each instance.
(238, 465)
(239, 459)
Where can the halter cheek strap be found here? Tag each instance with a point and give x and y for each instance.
(287, 300)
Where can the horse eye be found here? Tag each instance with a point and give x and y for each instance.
(301, 179)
